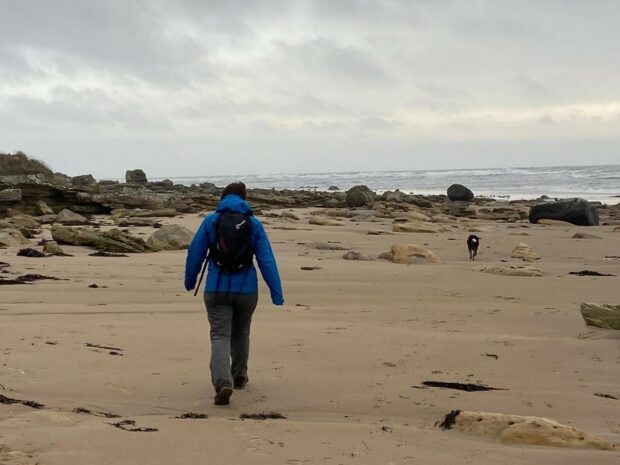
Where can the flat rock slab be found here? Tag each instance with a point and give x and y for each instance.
(605, 316)
(513, 270)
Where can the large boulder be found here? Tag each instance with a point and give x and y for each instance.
(24, 221)
(52, 248)
(12, 237)
(323, 221)
(601, 315)
(458, 192)
(409, 253)
(517, 429)
(360, 196)
(135, 177)
(68, 217)
(43, 208)
(83, 180)
(171, 237)
(575, 211)
(113, 240)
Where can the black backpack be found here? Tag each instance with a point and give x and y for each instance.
(232, 250)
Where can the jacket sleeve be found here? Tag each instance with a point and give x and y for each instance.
(196, 254)
(267, 264)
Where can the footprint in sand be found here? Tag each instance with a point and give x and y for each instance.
(258, 444)
(118, 387)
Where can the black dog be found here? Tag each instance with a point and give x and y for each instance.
(472, 244)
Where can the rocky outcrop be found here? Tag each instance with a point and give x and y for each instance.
(458, 192)
(408, 254)
(113, 240)
(575, 211)
(67, 217)
(525, 252)
(135, 177)
(171, 237)
(601, 315)
(513, 270)
(517, 429)
(360, 196)
(322, 221)
(83, 180)
(12, 237)
(10, 195)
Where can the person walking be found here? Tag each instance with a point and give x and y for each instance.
(229, 240)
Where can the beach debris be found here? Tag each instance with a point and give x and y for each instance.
(589, 273)
(309, 268)
(130, 425)
(262, 416)
(171, 237)
(581, 235)
(513, 270)
(409, 254)
(85, 411)
(387, 429)
(469, 387)
(517, 429)
(28, 278)
(323, 221)
(358, 256)
(31, 253)
(107, 254)
(193, 416)
(97, 346)
(379, 232)
(601, 315)
(495, 356)
(612, 257)
(575, 211)
(525, 252)
(605, 396)
(28, 403)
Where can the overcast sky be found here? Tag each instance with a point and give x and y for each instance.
(220, 87)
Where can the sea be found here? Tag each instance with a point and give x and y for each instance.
(594, 183)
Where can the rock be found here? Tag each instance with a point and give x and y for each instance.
(513, 270)
(333, 188)
(585, 236)
(445, 219)
(68, 217)
(416, 227)
(10, 195)
(327, 246)
(409, 253)
(525, 252)
(290, 215)
(83, 180)
(417, 216)
(52, 248)
(135, 177)
(458, 192)
(517, 429)
(171, 237)
(43, 208)
(575, 211)
(140, 222)
(601, 315)
(354, 255)
(360, 196)
(419, 202)
(167, 183)
(24, 221)
(322, 221)
(113, 240)
(12, 237)
(462, 209)
(140, 213)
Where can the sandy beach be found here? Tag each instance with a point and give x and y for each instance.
(343, 360)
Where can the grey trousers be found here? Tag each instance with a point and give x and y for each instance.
(230, 316)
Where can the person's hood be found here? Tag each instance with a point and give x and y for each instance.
(232, 203)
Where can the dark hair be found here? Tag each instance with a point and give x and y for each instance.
(237, 188)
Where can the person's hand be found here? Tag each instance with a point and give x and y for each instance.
(189, 287)
(277, 300)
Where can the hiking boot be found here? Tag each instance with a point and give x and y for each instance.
(222, 395)
(240, 383)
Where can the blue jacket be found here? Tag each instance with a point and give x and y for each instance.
(246, 281)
